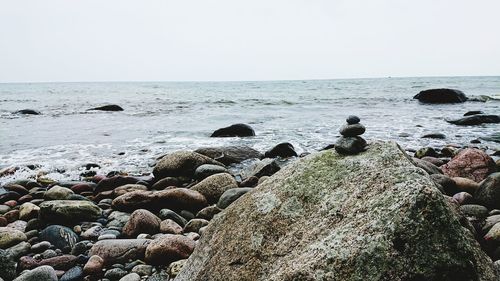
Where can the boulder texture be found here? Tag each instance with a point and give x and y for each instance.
(441, 96)
(372, 216)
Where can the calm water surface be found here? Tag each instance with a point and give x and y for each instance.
(165, 116)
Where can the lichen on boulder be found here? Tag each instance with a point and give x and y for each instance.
(371, 216)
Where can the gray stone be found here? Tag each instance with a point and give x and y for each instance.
(69, 211)
(131, 277)
(115, 273)
(488, 193)
(73, 274)
(214, 186)
(231, 195)
(350, 145)
(7, 266)
(61, 237)
(207, 170)
(181, 163)
(230, 154)
(41, 273)
(352, 130)
(10, 237)
(371, 216)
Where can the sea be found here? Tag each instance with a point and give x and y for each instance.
(161, 117)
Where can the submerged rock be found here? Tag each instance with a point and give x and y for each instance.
(475, 120)
(441, 96)
(372, 216)
(283, 150)
(28, 111)
(236, 130)
(109, 107)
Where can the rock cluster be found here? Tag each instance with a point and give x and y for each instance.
(121, 227)
(125, 227)
(351, 141)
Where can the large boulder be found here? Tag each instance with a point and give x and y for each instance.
(230, 154)
(69, 211)
(235, 130)
(372, 216)
(475, 120)
(441, 96)
(470, 163)
(181, 163)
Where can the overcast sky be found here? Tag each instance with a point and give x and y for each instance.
(122, 40)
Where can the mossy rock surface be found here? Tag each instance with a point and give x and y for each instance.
(371, 216)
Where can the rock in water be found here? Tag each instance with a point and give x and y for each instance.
(236, 130)
(28, 111)
(475, 120)
(372, 216)
(441, 96)
(283, 150)
(109, 107)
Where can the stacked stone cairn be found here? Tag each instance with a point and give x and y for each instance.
(351, 142)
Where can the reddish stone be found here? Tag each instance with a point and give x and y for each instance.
(470, 163)
(94, 266)
(12, 215)
(169, 248)
(141, 221)
(25, 198)
(82, 187)
(63, 262)
(3, 221)
(11, 203)
(17, 188)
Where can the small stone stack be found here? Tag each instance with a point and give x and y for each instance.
(351, 142)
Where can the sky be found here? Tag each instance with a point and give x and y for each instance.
(208, 40)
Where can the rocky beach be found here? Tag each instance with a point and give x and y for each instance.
(361, 207)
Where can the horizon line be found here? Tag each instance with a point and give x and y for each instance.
(229, 81)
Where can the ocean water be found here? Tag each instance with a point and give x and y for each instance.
(161, 117)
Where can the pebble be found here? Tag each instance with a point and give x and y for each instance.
(94, 265)
(131, 277)
(73, 274)
(115, 273)
(353, 130)
(352, 119)
(41, 273)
